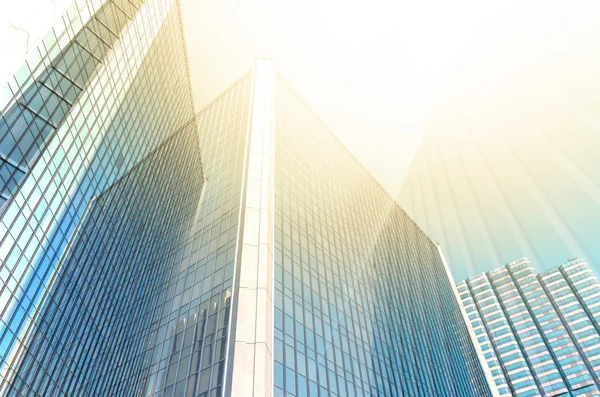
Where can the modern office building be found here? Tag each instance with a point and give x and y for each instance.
(540, 333)
(105, 87)
(507, 176)
(241, 252)
(100, 308)
(301, 276)
(362, 300)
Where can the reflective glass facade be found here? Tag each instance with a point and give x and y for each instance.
(540, 334)
(109, 283)
(107, 85)
(363, 304)
(247, 253)
(193, 326)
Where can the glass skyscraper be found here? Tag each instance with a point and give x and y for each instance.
(100, 309)
(362, 302)
(105, 87)
(239, 252)
(300, 275)
(540, 334)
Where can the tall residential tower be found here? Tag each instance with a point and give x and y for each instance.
(540, 334)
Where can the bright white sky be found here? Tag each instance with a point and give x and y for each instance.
(375, 72)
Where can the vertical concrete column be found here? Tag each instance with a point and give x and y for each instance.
(253, 339)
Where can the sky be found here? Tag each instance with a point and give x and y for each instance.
(378, 72)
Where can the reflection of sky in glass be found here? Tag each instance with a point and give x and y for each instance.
(111, 279)
(87, 152)
(363, 303)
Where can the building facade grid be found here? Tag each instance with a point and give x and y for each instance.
(125, 90)
(537, 331)
(363, 306)
(127, 240)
